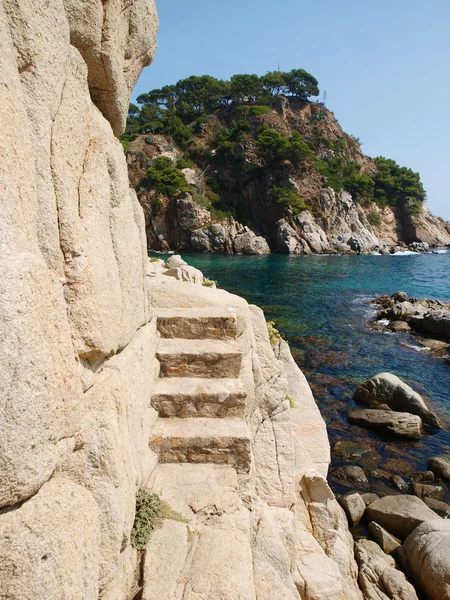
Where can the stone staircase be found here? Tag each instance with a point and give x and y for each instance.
(198, 394)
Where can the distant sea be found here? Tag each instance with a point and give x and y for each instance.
(320, 304)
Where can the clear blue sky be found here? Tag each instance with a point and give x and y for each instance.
(384, 64)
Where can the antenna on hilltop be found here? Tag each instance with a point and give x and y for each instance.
(278, 66)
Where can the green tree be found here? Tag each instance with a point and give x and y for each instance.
(289, 198)
(166, 179)
(299, 149)
(245, 87)
(301, 84)
(272, 146)
(274, 82)
(398, 186)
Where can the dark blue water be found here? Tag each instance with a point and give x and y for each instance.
(320, 306)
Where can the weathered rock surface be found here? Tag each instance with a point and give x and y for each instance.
(399, 424)
(437, 322)
(387, 542)
(440, 508)
(428, 550)
(388, 390)
(423, 490)
(440, 465)
(378, 577)
(400, 515)
(354, 507)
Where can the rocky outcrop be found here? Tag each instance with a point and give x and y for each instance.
(335, 222)
(400, 515)
(378, 576)
(398, 424)
(386, 390)
(278, 509)
(80, 360)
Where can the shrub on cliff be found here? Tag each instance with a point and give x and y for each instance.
(289, 198)
(272, 146)
(166, 179)
(398, 186)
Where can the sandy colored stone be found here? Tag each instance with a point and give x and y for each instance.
(195, 397)
(378, 577)
(164, 562)
(199, 358)
(201, 440)
(116, 41)
(387, 542)
(47, 552)
(308, 423)
(354, 507)
(400, 515)
(200, 323)
(428, 550)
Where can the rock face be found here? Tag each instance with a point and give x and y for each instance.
(386, 390)
(81, 360)
(400, 515)
(378, 576)
(336, 222)
(428, 550)
(440, 465)
(399, 424)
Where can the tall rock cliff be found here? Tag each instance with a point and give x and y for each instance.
(282, 176)
(72, 294)
(119, 376)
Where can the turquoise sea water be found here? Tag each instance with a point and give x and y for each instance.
(320, 306)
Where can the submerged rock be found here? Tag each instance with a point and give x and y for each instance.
(388, 390)
(422, 490)
(399, 483)
(440, 465)
(350, 475)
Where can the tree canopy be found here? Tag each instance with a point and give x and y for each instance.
(203, 94)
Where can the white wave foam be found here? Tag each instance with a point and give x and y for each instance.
(416, 348)
(384, 322)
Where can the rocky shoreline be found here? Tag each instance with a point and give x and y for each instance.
(402, 528)
(428, 320)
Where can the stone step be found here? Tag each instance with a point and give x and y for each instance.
(218, 441)
(194, 397)
(199, 358)
(197, 323)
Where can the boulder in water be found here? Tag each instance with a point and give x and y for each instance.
(388, 390)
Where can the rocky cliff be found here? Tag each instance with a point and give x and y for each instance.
(121, 375)
(81, 353)
(243, 197)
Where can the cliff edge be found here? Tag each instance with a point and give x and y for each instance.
(255, 174)
(115, 376)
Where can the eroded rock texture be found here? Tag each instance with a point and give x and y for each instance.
(79, 315)
(72, 271)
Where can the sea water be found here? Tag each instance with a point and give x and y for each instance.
(321, 306)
